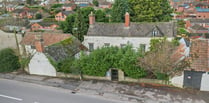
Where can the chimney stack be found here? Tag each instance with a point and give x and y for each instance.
(39, 43)
(91, 18)
(127, 19)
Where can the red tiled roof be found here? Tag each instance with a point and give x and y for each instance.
(49, 38)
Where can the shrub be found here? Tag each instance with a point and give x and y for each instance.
(101, 60)
(8, 60)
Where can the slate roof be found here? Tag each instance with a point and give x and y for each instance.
(55, 44)
(48, 37)
(198, 27)
(18, 10)
(200, 3)
(64, 49)
(167, 29)
(199, 20)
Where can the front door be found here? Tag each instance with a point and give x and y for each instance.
(114, 75)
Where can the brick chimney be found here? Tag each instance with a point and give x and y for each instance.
(91, 19)
(127, 19)
(39, 43)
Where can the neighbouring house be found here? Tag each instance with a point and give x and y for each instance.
(19, 13)
(10, 7)
(61, 16)
(120, 34)
(43, 26)
(83, 3)
(44, 45)
(31, 13)
(196, 76)
(190, 8)
(197, 25)
(69, 7)
(104, 4)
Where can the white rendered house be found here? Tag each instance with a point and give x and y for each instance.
(120, 34)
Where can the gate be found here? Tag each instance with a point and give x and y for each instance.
(114, 74)
(192, 79)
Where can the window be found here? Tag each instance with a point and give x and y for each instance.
(91, 47)
(106, 44)
(122, 45)
(142, 48)
(154, 32)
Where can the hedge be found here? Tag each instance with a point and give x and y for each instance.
(8, 60)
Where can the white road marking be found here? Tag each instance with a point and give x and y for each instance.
(5, 96)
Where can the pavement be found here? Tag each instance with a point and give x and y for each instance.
(126, 92)
(21, 92)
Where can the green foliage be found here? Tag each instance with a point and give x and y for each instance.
(95, 2)
(162, 76)
(56, 5)
(155, 42)
(29, 2)
(66, 65)
(38, 16)
(67, 25)
(100, 16)
(80, 27)
(98, 62)
(150, 10)
(120, 7)
(8, 60)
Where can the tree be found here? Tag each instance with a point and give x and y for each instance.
(150, 10)
(29, 2)
(120, 7)
(96, 3)
(8, 60)
(67, 25)
(80, 27)
(38, 16)
(163, 58)
(100, 16)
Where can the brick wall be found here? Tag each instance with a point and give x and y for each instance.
(200, 54)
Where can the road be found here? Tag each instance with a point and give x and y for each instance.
(21, 92)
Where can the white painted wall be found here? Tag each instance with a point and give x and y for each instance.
(205, 82)
(99, 41)
(40, 65)
(178, 81)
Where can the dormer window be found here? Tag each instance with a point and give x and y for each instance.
(154, 32)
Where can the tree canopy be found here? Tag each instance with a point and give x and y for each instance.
(163, 58)
(120, 7)
(150, 10)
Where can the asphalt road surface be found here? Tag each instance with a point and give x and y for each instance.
(21, 92)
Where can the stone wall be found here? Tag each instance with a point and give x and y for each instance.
(7, 40)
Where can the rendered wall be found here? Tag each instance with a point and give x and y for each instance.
(40, 65)
(99, 41)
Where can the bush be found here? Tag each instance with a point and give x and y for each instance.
(8, 60)
(101, 60)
